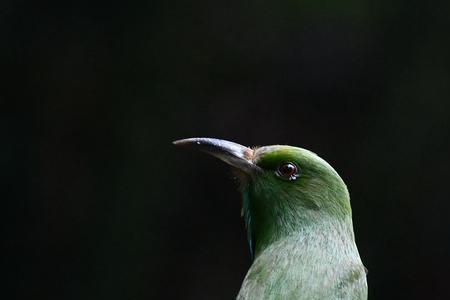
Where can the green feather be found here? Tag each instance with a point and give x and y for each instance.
(246, 214)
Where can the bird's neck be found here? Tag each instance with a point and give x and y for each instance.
(317, 262)
(266, 227)
(329, 234)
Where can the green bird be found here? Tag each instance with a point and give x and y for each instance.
(299, 223)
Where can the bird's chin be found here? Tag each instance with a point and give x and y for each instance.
(243, 178)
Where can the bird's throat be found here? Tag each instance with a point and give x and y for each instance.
(314, 260)
(266, 227)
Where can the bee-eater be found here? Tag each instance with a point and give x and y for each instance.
(299, 223)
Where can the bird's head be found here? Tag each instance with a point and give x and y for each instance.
(285, 189)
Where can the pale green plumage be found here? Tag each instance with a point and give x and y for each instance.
(299, 228)
(319, 262)
(301, 231)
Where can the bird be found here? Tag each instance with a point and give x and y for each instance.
(298, 220)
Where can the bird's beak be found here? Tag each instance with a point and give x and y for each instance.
(236, 155)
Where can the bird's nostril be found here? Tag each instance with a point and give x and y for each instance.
(248, 153)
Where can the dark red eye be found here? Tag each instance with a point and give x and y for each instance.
(288, 170)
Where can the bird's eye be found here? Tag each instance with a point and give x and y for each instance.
(288, 171)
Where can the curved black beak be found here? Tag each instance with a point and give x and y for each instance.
(233, 154)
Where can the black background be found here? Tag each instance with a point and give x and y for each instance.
(97, 203)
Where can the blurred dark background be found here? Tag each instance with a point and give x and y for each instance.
(97, 203)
